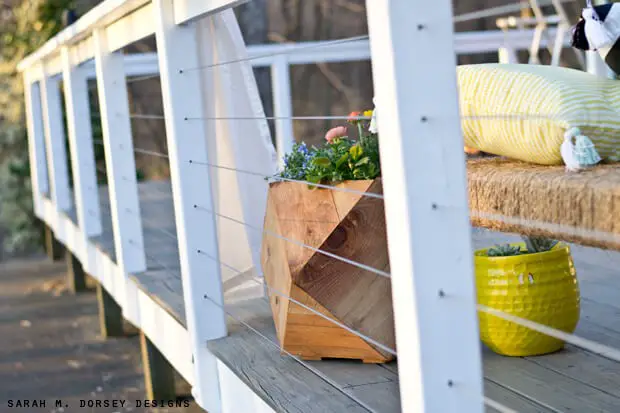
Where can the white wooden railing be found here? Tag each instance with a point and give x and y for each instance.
(279, 58)
(415, 95)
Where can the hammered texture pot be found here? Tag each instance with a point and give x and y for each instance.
(541, 287)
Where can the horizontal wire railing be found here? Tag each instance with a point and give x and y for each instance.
(487, 401)
(500, 10)
(172, 236)
(306, 307)
(141, 78)
(261, 175)
(589, 345)
(273, 291)
(592, 346)
(564, 229)
(462, 18)
(513, 220)
(298, 243)
(137, 150)
(489, 116)
(157, 261)
(567, 230)
(497, 406)
(320, 45)
(317, 117)
(314, 370)
(276, 178)
(370, 340)
(273, 344)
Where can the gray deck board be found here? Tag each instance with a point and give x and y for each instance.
(157, 216)
(573, 380)
(548, 387)
(162, 280)
(507, 397)
(584, 367)
(281, 381)
(596, 332)
(166, 289)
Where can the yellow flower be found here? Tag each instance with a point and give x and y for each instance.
(368, 113)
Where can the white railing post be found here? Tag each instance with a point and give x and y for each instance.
(36, 144)
(596, 66)
(426, 206)
(562, 28)
(177, 48)
(507, 55)
(120, 168)
(56, 150)
(282, 106)
(82, 155)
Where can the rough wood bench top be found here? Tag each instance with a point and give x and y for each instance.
(518, 197)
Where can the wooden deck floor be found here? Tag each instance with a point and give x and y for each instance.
(573, 380)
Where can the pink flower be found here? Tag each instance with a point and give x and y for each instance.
(335, 133)
(353, 117)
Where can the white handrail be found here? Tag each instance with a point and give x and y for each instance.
(466, 43)
(272, 55)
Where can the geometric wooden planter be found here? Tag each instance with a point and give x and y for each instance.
(351, 226)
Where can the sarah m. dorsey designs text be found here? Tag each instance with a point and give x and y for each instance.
(32, 403)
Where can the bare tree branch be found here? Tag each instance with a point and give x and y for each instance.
(336, 82)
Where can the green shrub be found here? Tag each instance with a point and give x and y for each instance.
(22, 30)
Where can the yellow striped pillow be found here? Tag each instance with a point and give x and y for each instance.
(523, 111)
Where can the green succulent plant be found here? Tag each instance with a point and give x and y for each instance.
(533, 245)
(504, 250)
(539, 244)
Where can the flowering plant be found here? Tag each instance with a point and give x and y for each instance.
(340, 158)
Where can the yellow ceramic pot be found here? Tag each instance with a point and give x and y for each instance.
(541, 287)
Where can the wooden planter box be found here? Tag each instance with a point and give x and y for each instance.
(345, 224)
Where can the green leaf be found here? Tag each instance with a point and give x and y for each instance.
(358, 173)
(343, 159)
(364, 161)
(321, 161)
(372, 170)
(355, 152)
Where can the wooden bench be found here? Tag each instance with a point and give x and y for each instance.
(517, 197)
